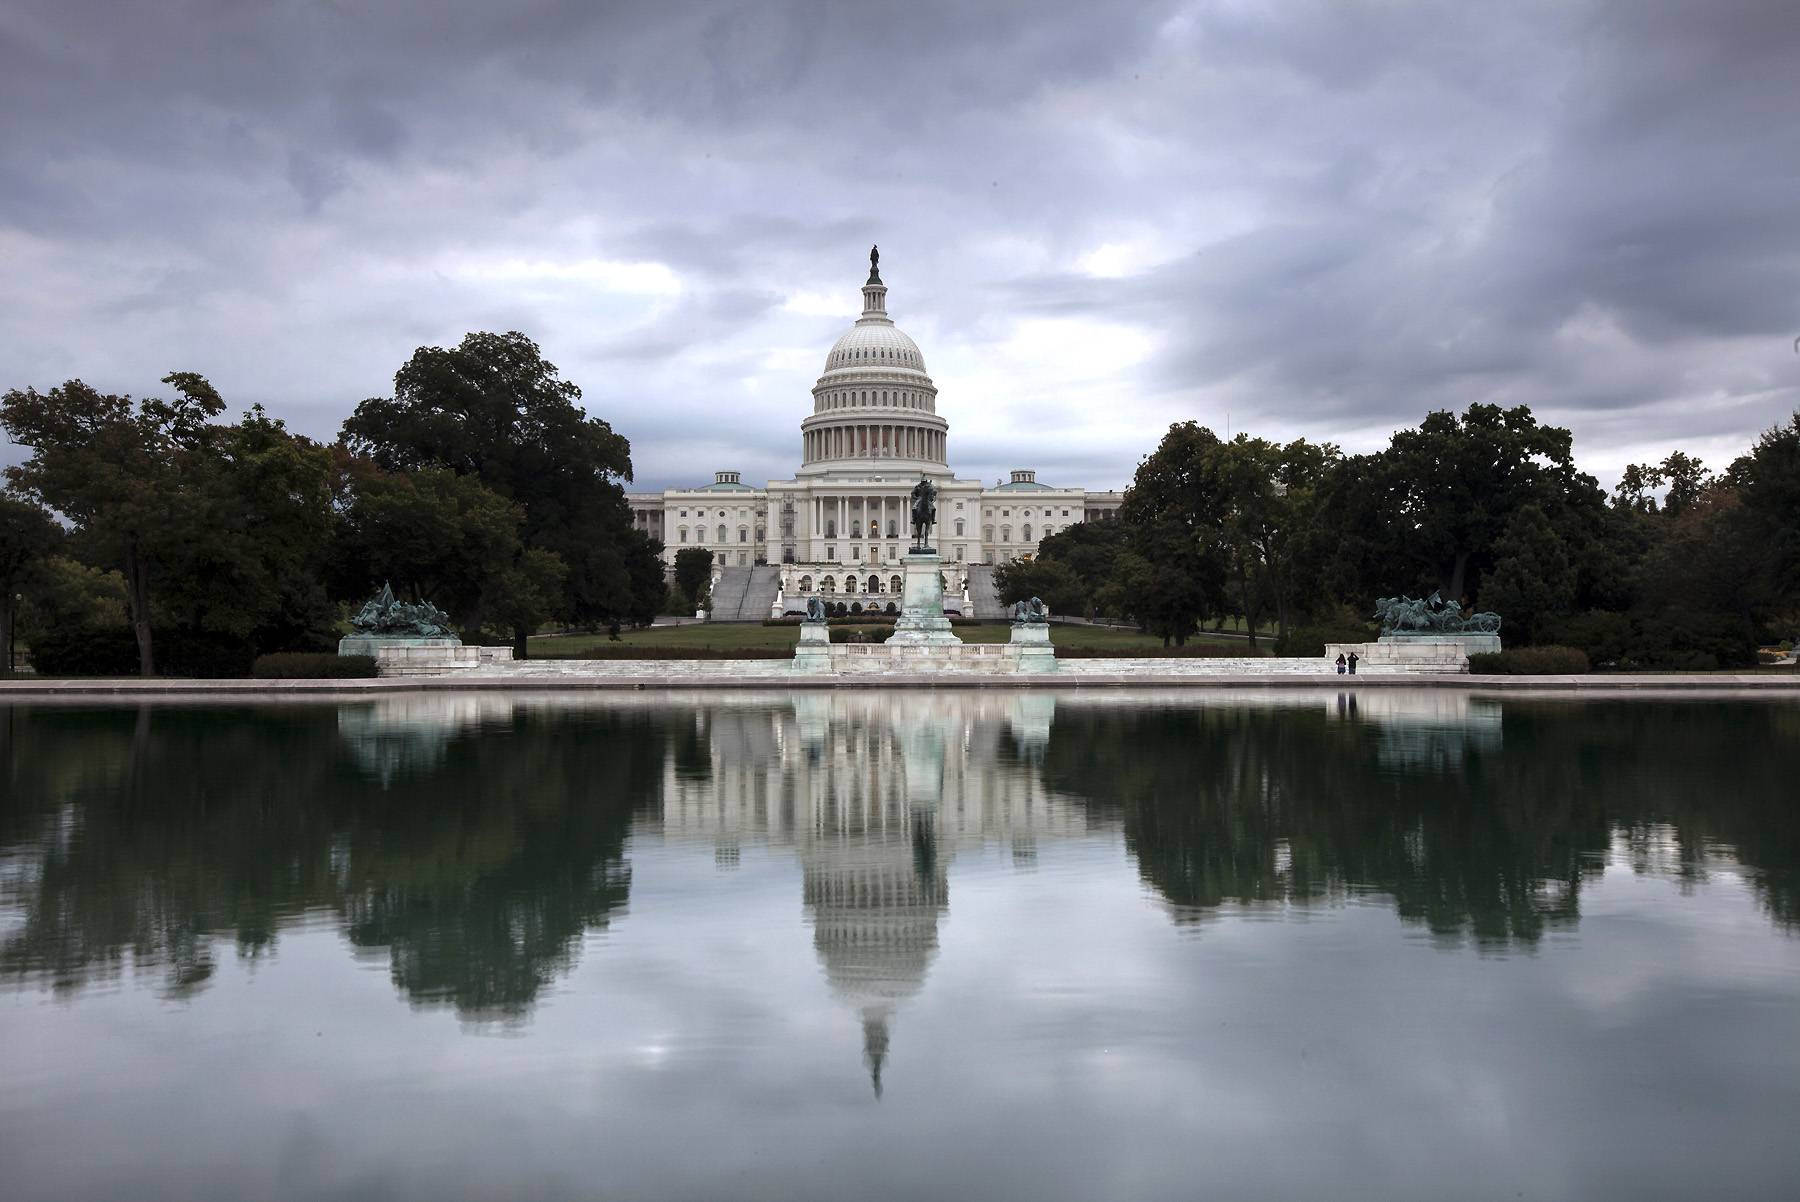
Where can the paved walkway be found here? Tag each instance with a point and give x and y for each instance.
(774, 674)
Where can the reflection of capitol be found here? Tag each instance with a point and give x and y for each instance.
(876, 794)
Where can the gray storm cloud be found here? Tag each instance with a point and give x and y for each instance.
(1293, 219)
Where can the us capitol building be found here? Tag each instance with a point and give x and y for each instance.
(840, 527)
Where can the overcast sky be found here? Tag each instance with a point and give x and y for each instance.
(1095, 218)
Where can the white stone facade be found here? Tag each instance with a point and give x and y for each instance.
(841, 526)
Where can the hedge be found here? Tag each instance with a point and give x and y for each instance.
(312, 665)
(1308, 642)
(1531, 661)
(85, 651)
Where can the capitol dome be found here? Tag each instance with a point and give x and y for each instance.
(875, 345)
(874, 404)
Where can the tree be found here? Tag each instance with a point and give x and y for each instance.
(493, 408)
(693, 570)
(448, 539)
(1768, 482)
(28, 536)
(1177, 507)
(114, 470)
(1050, 580)
(649, 586)
(1454, 484)
(1533, 580)
(1090, 550)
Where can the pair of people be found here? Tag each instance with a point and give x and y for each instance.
(1349, 664)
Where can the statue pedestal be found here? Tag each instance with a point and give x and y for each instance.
(372, 644)
(1030, 643)
(922, 621)
(813, 652)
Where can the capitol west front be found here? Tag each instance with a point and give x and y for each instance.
(841, 526)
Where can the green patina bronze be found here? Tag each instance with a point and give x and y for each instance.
(1431, 615)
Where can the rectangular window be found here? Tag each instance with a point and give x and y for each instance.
(1065, 513)
(957, 554)
(831, 554)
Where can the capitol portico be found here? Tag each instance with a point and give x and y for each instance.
(840, 528)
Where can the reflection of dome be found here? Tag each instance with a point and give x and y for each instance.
(875, 899)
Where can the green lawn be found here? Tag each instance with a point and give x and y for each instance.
(727, 636)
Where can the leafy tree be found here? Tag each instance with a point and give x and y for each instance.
(28, 536)
(1768, 482)
(1177, 507)
(449, 539)
(1533, 580)
(1090, 550)
(493, 408)
(693, 570)
(1050, 580)
(649, 585)
(1452, 486)
(115, 471)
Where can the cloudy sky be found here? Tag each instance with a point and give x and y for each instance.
(1291, 218)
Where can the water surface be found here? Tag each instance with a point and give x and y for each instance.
(898, 945)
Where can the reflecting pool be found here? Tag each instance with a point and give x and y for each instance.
(1394, 945)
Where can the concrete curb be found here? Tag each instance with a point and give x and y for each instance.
(498, 682)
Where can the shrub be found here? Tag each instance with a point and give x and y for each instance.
(856, 607)
(639, 651)
(85, 651)
(1308, 642)
(1531, 661)
(860, 634)
(892, 608)
(1672, 639)
(1193, 650)
(202, 653)
(1770, 657)
(312, 665)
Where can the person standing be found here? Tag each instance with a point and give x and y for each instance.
(1340, 663)
(1353, 658)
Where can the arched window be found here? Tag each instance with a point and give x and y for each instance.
(959, 532)
(895, 585)
(760, 534)
(874, 528)
(830, 527)
(893, 528)
(1027, 531)
(743, 534)
(874, 585)
(849, 584)
(722, 537)
(828, 585)
(1006, 534)
(987, 534)
(806, 584)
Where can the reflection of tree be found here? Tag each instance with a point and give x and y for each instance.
(1257, 805)
(149, 835)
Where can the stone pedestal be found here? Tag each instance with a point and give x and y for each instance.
(1427, 653)
(1031, 645)
(373, 644)
(922, 622)
(813, 652)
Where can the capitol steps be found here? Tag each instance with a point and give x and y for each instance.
(745, 594)
(984, 597)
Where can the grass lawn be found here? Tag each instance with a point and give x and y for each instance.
(728, 636)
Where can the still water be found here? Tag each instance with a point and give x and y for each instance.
(901, 945)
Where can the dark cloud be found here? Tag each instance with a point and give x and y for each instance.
(1309, 218)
